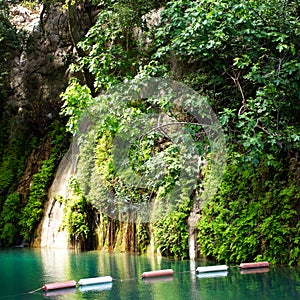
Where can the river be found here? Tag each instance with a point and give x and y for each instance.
(25, 270)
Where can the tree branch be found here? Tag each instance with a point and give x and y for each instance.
(235, 79)
(169, 124)
(268, 133)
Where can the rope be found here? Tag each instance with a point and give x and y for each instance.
(21, 294)
(35, 291)
(128, 279)
(12, 296)
(183, 272)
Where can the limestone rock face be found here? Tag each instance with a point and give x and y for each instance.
(39, 72)
(24, 18)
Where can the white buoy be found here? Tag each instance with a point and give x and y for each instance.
(212, 268)
(95, 280)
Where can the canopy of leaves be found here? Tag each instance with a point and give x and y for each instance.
(244, 57)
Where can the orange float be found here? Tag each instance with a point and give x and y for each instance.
(159, 273)
(262, 264)
(59, 285)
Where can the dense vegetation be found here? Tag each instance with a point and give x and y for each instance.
(242, 57)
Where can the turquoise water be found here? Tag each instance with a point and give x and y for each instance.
(25, 270)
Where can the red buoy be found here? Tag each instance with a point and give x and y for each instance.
(59, 285)
(166, 272)
(262, 264)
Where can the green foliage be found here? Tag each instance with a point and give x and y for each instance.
(253, 221)
(76, 98)
(171, 232)
(113, 53)
(32, 212)
(107, 182)
(115, 44)
(76, 214)
(143, 237)
(9, 218)
(243, 56)
(13, 161)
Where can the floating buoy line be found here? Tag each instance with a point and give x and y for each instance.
(105, 282)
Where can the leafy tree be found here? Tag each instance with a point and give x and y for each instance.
(241, 55)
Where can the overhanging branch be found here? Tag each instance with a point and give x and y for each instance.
(169, 124)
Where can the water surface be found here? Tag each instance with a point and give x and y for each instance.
(25, 270)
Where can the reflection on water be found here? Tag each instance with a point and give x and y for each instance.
(96, 287)
(24, 270)
(56, 264)
(62, 292)
(212, 274)
(255, 271)
(158, 279)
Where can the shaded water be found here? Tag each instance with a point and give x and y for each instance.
(25, 270)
